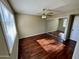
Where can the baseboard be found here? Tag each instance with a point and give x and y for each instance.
(33, 35)
(5, 56)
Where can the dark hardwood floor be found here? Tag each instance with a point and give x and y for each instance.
(45, 46)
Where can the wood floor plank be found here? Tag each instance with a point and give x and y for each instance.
(49, 48)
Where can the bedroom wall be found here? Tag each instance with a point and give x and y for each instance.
(29, 25)
(3, 47)
(52, 24)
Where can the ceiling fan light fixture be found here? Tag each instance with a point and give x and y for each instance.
(43, 16)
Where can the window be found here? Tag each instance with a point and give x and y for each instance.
(8, 25)
(65, 22)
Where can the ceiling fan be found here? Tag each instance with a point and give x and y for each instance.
(46, 13)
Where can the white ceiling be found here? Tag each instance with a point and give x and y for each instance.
(34, 7)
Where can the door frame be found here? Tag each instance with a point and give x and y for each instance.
(70, 24)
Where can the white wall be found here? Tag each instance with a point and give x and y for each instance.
(52, 24)
(75, 36)
(3, 47)
(14, 54)
(76, 52)
(29, 25)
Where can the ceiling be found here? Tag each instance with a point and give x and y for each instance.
(35, 7)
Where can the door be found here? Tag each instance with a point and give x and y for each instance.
(75, 29)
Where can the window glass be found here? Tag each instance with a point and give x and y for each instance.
(8, 27)
(65, 22)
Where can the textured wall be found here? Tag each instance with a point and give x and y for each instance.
(3, 47)
(29, 25)
(52, 25)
